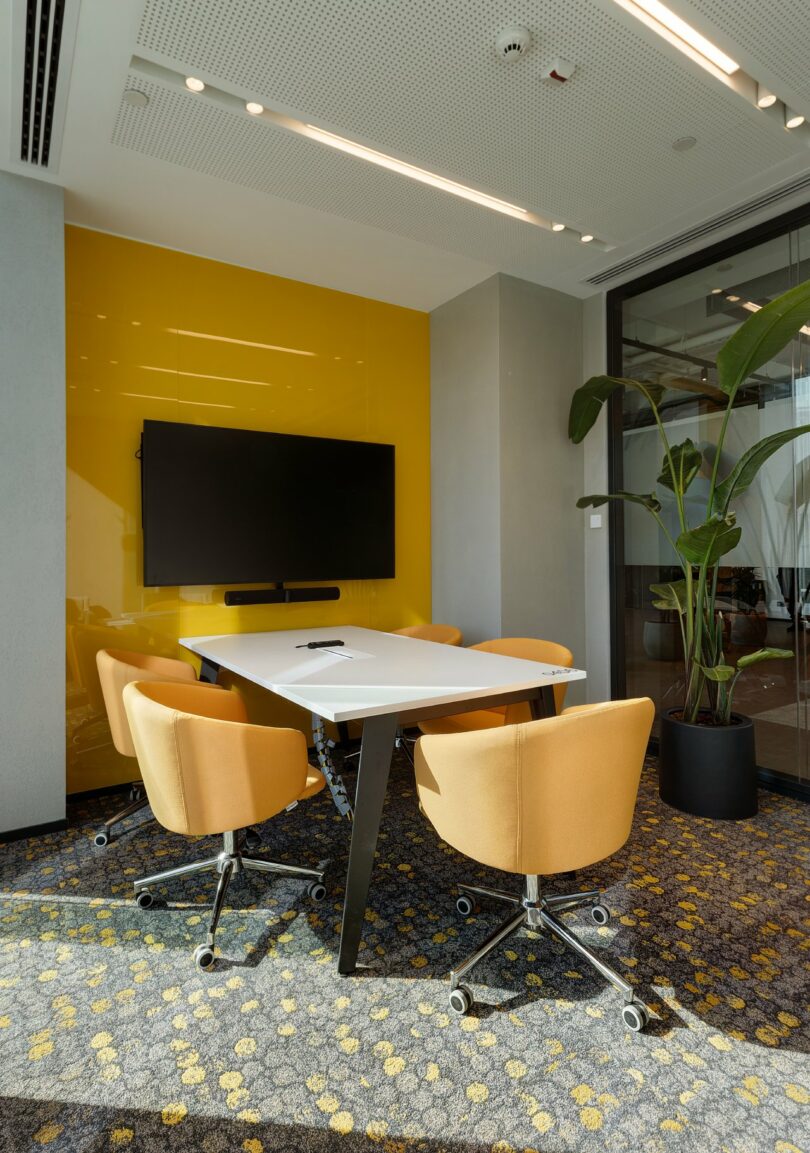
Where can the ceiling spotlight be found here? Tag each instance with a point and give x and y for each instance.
(765, 99)
(194, 85)
(684, 143)
(586, 238)
(732, 299)
(793, 119)
(253, 108)
(558, 228)
(716, 291)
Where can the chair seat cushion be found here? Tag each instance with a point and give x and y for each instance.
(315, 782)
(464, 722)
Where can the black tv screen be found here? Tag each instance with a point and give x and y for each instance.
(231, 506)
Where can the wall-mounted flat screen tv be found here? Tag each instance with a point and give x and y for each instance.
(232, 506)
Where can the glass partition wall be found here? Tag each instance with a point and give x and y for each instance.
(668, 329)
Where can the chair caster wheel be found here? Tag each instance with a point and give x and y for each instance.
(600, 914)
(135, 793)
(101, 838)
(316, 890)
(253, 839)
(465, 906)
(461, 1000)
(204, 958)
(635, 1016)
(144, 899)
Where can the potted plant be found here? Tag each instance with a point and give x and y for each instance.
(707, 763)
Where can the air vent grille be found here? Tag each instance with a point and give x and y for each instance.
(702, 230)
(43, 38)
(43, 34)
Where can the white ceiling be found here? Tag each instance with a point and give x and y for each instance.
(418, 79)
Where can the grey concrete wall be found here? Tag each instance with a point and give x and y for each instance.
(597, 561)
(542, 551)
(465, 484)
(32, 502)
(508, 550)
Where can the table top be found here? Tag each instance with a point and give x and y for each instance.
(374, 673)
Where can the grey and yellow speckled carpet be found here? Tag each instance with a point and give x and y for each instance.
(111, 1039)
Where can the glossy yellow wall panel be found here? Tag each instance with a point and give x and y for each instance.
(161, 335)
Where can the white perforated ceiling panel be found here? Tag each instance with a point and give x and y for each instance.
(420, 79)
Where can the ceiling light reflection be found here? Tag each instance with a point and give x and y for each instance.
(205, 375)
(176, 400)
(234, 340)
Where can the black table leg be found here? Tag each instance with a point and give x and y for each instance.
(209, 671)
(372, 779)
(545, 705)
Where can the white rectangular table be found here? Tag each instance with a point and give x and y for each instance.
(385, 680)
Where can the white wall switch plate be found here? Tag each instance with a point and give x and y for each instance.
(596, 520)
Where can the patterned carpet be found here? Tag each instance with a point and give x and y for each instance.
(110, 1039)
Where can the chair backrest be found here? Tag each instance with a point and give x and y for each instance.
(530, 649)
(118, 668)
(205, 769)
(441, 634)
(543, 797)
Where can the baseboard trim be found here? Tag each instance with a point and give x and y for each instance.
(33, 831)
(100, 791)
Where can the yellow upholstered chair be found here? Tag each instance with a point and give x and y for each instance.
(544, 797)
(117, 668)
(441, 634)
(207, 771)
(526, 649)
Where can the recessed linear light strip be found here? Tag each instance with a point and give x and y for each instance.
(410, 170)
(691, 43)
(353, 148)
(681, 35)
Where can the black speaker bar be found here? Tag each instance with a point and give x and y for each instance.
(279, 596)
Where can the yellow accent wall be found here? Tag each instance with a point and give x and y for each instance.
(161, 335)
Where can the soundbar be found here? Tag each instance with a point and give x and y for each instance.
(280, 595)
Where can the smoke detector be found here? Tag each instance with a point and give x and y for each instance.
(513, 43)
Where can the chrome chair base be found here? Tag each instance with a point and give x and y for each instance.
(540, 912)
(227, 863)
(138, 801)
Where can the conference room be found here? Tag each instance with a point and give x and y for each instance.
(405, 576)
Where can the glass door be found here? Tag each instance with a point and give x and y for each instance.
(670, 335)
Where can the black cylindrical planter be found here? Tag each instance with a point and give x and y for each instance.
(706, 770)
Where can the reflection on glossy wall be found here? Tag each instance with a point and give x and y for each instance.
(160, 335)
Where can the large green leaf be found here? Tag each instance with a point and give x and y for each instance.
(749, 464)
(649, 500)
(761, 336)
(587, 401)
(686, 460)
(763, 655)
(705, 544)
(718, 673)
(671, 596)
